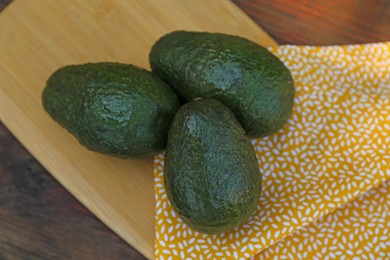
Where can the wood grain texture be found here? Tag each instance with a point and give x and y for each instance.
(39, 219)
(295, 22)
(4, 3)
(321, 22)
(52, 34)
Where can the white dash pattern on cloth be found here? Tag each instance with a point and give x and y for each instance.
(359, 229)
(334, 147)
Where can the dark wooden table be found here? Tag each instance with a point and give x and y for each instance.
(39, 219)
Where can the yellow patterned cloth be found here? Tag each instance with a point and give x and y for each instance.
(359, 229)
(335, 147)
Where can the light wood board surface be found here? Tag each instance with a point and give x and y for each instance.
(38, 37)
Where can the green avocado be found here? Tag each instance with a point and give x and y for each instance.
(246, 77)
(111, 108)
(211, 172)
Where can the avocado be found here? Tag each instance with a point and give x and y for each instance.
(244, 76)
(211, 173)
(112, 108)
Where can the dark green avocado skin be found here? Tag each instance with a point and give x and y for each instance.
(211, 172)
(111, 108)
(244, 76)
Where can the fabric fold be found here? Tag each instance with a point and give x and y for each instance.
(360, 229)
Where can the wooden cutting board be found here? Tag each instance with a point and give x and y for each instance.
(37, 37)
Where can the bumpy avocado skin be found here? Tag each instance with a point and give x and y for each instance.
(112, 108)
(244, 76)
(211, 172)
